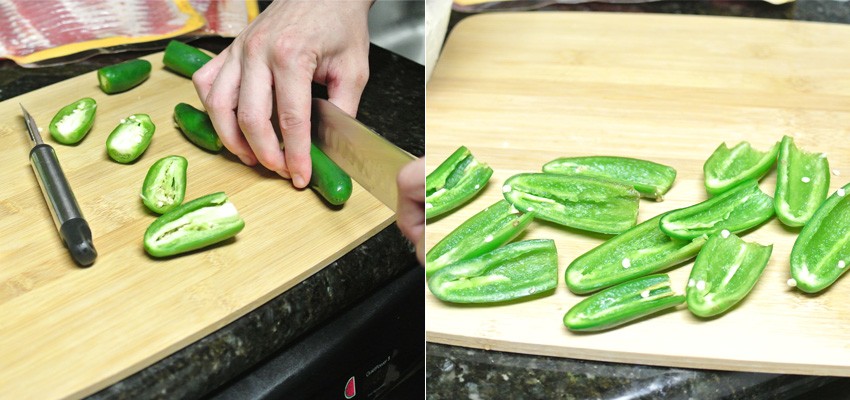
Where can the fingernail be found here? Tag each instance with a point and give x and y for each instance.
(298, 181)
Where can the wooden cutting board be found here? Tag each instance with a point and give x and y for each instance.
(67, 331)
(522, 89)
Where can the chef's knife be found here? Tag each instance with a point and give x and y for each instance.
(370, 159)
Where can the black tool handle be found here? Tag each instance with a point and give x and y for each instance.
(67, 217)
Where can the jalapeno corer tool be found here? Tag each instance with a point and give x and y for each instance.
(69, 221)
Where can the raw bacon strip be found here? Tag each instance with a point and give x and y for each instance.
(32, 31)
(226, 17)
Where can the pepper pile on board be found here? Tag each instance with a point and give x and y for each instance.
(476, 263)
(181, 227)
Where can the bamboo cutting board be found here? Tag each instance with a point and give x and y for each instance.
(67, 331)
(522, 89)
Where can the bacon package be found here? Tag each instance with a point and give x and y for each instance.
(42, 33)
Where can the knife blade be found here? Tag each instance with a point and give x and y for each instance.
(370, 159)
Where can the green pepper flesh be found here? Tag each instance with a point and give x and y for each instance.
(651, 180)
(130, 138)
(124, 76)
(802, 183)
(740, 208)
(514, 271)
(165, 184)
(640, 251)
(623, 303)
(197, 127)
(328, 179)
(483, 232)
(821, 253)
(580, 202)
(184, 59)
(454, 182)
(726, 270)
(73, 122)
(194, 225)
(728, 167)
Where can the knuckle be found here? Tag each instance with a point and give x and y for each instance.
(253, 45)
(291, 121)
(217, 103)
(248, 119)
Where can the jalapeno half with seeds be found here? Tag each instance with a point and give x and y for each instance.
(485, 231)
(651, 180)
(726, 270)
(130, 138)
(580, 202)
(71, 124)
(740, 208)
(637, 252)
(193, 225)
(184, 59)
(802, 183)
(454, 182)
(821, 253)
(124, 76)
(514, 271)
(728, 167)
(623, 303)
(197, 127)
(165, 184)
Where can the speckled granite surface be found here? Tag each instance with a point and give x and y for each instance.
(461, 373)
(393, 104)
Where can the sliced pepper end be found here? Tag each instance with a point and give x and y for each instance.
(73, 122)
(194, 225)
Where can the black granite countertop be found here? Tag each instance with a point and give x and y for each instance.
(462, 373)
(392, 104)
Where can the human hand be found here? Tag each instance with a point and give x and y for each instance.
(271, 64)
(411, 205)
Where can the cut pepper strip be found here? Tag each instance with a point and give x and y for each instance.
(623, 303)
(580, 202)
(485, 231)
(651, 179)
(71, 123)
(454, 182)
(802, 183)
(165, 184)
(728, 167)
(514, 271)
(821, 253)
(640, 251)
(726, 270)
(196, 224)
(738, 209)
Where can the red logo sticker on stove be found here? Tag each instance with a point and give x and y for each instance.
(350, 391)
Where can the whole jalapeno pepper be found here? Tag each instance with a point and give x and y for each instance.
(637, 252)
(580, 202)
(514, 271)
(483, 232)
(802, 183)
(328, 179)
(194, 225)
(651, 180)
(72, 122)
(821, 253)
(130, 138)
(124, 76)
(183, 58)
(728, 167)
(726, 270)
(165, 184)
(197, 127)
(454, 182)
(740, 208)
(623, 303)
